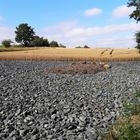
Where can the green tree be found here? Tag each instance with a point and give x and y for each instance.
(46, 42)
(62, 46)
(54, 44)
(136, 13)
(86, 46)
(24, 34)
(40, 41)
(78, 47)
(37, 41)
(7, 43)
(138, 40)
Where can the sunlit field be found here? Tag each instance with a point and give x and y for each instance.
(70, 54)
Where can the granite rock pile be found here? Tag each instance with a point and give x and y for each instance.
(39, 106)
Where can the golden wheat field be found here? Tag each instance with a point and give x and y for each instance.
(71, 54)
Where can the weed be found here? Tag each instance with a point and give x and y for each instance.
(128, 127)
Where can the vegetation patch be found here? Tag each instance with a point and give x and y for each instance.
(128, 127)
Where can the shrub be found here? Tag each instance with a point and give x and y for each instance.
(62, 46)
(6, 43)
(17, 46)
(86, 46)
(78, 47)
(128, 127)
(54, 44)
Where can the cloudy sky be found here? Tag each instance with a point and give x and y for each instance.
(97, 23)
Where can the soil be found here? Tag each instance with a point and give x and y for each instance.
(78, 68)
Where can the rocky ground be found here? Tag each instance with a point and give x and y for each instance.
(35, 105)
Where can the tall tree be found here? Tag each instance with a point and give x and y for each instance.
(24, 34)
(136, 13)
(138, 40)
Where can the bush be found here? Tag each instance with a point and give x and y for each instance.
(17, 46)
(128, 128)
(6, 43)
(78, 47)
(54, 44)
(45, 42)
(62, 46)
(86, 46)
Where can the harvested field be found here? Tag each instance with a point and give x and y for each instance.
(70, 54)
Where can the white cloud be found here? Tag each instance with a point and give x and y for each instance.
(116, 42)
(100, 36)
(93, 12)
(102, 30)
(6, 33)
(62, 26)
(122, 11)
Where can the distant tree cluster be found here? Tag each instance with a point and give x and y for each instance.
(26, 37)
(85, 46)
(7, 43)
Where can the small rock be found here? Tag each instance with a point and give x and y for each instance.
(72, 126)
(35, 131)
(23, 132)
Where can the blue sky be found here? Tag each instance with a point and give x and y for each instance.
(97, 23)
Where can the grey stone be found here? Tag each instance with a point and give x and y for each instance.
(38, 104)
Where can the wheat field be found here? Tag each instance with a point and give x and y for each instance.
(71, 54)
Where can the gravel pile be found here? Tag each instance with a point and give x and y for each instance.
(34, 105)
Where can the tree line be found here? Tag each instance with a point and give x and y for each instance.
(26, 37)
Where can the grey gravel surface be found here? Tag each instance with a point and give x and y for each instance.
(34, 105)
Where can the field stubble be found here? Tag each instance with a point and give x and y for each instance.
(70, 54)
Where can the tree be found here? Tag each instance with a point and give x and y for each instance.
(24, 34)
(54, 44)
(46, 42)
(136, 13)
(86, 46)
(138, 40)
(62, 46)
(37, 41)
(40, 41)
(78, 47)
(7, 43)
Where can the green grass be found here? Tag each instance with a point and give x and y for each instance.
(128, 127)
(1, 46)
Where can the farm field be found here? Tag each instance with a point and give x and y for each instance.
(98, 54)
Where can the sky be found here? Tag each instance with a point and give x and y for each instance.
(96, 23)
